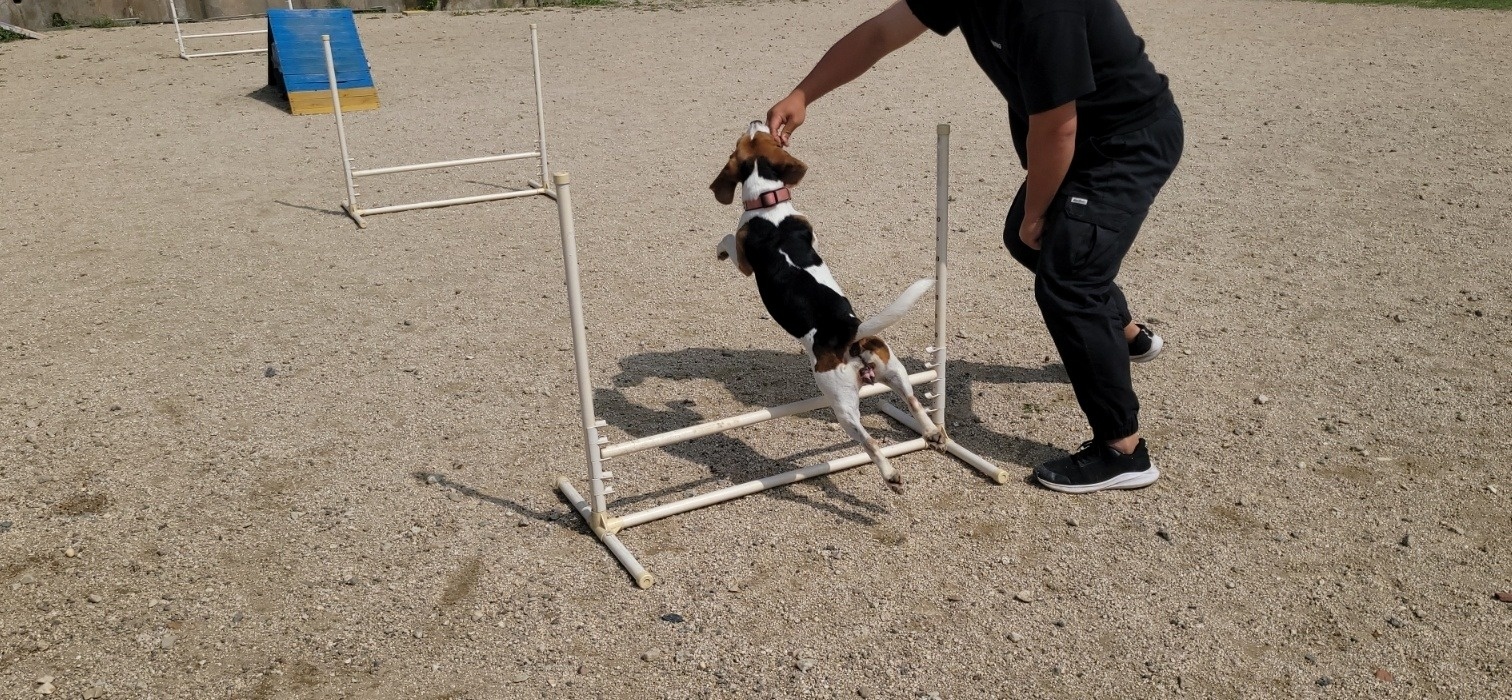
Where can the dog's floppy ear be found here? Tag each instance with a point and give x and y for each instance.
(724, 184)
(789, 169)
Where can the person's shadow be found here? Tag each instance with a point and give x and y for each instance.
(764, 378)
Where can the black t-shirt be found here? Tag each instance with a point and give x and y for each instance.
(1042, 54)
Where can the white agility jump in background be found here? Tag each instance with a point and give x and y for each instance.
(184, 51)
(533, 188)
(594, 509)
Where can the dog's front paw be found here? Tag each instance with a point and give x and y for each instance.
(896, 484)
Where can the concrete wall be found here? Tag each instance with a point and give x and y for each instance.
(37, 14)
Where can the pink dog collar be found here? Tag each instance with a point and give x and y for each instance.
(769, 199)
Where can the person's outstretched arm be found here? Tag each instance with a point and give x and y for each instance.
(851, 56)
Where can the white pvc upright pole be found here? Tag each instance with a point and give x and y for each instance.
(346, 160)
(594, 510)
(942, 246)
(596, 475)
(178, 33)
(535, 62)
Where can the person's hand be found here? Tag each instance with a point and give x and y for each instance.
(1031, 231)
(786, 116)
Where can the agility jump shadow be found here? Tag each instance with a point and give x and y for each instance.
(768, 378)
(444, 481)
(319, 210)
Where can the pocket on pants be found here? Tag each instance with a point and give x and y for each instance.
(1092, 210)
(1104, 147)
(1088, 231)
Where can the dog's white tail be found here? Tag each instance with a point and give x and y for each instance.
(894, 312)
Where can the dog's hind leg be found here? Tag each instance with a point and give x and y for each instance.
(839, 386)
(890, 371)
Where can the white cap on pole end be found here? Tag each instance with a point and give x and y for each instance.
(560, 178)
(325, 37)
(942, 129)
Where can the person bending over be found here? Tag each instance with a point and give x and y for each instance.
(1098, 132)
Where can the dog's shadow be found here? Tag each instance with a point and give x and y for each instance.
(760, 378)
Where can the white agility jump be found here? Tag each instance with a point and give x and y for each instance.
(533, 188)
(184, 51)
(594, 509)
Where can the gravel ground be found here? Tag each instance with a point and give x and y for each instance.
(252, 452)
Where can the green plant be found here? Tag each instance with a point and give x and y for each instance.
(9, 36)
(102, 23)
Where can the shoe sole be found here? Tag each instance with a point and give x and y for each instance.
(1156, 345)
(1126, 480)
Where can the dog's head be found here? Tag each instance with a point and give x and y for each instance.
(757, 152)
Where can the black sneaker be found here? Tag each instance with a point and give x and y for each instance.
(1097, 467)
(1146, 346)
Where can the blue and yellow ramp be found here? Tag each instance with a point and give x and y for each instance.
(296, 60)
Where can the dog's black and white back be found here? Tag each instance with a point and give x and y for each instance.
(796, 286)
(776, 245)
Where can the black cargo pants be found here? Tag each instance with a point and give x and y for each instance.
(1089, 227)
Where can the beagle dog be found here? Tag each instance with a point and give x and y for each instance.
(775, 244)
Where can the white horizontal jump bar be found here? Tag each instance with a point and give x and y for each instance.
(673, 437)
(443, 164)
(450, 202)
(222, 53)
(764, 483)
(251, 31)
